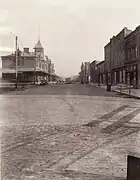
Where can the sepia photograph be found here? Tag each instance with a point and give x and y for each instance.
(69, 90)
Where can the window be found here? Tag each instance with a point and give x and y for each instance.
(23, 62)
(13, 62)
(136, 51)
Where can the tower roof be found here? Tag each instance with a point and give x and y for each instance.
(38, 45)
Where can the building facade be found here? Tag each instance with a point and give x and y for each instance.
(107, 52)
(85, 72)
(115, 58)
(82, 73)
(26, 62)
(101, 76)
(132, 60)
(32, 66)
(122, 61)
(93, 71)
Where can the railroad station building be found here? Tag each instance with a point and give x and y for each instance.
(31, 66)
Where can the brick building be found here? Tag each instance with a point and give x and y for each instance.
(132, 60)
(93, 71)
(122, 61)
(32, 66)
(107, 52)
(115, 58)
(101, 76)
(122, 56)
(26, 62)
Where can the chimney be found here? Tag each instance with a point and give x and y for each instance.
(26, 50)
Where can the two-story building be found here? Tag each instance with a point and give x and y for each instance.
(101, 76)
(26, 63)
(31, 66)
(93, 71)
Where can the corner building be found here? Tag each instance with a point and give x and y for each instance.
(115, 58)
(132, 58)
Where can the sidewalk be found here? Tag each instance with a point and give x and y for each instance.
(133, 92)
(124, 90)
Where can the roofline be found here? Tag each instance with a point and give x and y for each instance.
(93, 61)
(121, 31)
(100, 63)
(14, 56)
(107, 44)
(131, 34)
(7, 55)
(114, 36)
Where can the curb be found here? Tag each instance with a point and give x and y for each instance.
(130, 96)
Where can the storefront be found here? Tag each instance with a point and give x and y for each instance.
(118, 76)
(131, 75)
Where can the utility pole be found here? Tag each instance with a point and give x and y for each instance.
(35, 74)
(16, 64)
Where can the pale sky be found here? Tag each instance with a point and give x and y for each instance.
(71, 31)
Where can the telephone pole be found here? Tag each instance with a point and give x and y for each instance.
(34, 74)
(16, 64)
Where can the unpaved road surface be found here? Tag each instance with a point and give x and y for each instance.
(68, 132)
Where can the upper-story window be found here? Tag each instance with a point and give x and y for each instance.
(129, 53)
(22, 62)
(136, 51)
(38, 64)
(13, 62)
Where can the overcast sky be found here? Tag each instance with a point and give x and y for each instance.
(71, 31)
